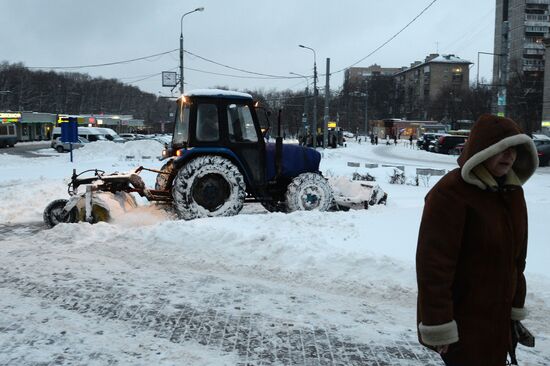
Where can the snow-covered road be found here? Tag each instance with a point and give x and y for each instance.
(256, 289)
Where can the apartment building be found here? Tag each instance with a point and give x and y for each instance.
(520, 29)
(418, 85)
(357, 75)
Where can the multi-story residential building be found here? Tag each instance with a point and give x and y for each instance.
(357, 75)
(520, 27)
(374, 83)
(418, 85)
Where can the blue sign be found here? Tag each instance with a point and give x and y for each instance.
(69, 131)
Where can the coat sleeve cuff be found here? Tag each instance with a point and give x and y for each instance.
(519, 313)
(438, 335)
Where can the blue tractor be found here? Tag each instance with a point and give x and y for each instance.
(218, 159)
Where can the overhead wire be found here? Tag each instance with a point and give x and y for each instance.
(237, 76)
(389, 40)
(239, 69)
(103, 64)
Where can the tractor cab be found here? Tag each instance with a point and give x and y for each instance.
(218, 121)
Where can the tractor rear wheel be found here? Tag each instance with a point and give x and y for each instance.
(208, 186)
(55, 214)
(309, 192)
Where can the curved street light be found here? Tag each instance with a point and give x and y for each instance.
(314, 122)
(181, 45)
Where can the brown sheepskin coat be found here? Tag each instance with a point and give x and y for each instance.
(471, 250)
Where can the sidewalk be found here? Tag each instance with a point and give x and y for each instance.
(221, 322)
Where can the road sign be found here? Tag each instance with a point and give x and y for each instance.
(69, 131)
(169, 78)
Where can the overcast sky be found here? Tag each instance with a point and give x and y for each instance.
(257, 36)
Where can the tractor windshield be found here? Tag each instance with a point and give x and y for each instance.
(181, 128)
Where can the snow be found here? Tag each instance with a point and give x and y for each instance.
(350, 273)
(217, 93)
(449, 59)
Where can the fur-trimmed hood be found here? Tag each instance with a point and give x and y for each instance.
(491, 135)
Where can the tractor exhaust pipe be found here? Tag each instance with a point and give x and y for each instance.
(279, 147)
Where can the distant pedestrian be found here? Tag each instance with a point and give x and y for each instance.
(376, 140)
(394, 140)
(411, 140)
(472, 246)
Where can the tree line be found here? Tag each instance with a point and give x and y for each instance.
(22, 89)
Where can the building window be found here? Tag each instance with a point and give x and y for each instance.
(457, 74)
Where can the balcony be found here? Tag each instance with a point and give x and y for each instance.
(533, 46)
(537, 29)
(533, 68)
(537, 17)
(533, 52)
(536, 23)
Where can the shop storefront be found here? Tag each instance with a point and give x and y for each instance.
(34, 126)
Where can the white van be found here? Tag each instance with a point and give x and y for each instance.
(110, 134)
(89, 133)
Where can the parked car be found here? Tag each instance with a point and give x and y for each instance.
(446, 143)
(128, 136)
(61, 146)
(424, 141)
(543, 150)
(457, 150)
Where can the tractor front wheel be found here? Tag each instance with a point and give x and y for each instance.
(309, 192)
(55, 213)
(208, 186)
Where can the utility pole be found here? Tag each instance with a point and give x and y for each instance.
(366, 107)
(315, 93)
(327, 97)
(503, 80)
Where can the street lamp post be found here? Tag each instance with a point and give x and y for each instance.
(306, 97)
(502, 81)
(314, 122)
(181, 45)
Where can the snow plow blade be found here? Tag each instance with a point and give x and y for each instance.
(356, 194)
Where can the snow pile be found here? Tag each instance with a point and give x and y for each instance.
(111, 150)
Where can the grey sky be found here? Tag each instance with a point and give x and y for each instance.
(259, 36)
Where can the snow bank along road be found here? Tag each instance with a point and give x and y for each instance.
(255, 289)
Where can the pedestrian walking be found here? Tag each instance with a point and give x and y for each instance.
(472, 246)
(411, 140)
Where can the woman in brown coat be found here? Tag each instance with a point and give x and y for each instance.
(472, 247)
